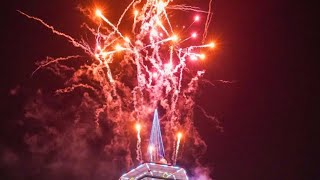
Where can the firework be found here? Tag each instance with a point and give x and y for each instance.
(179, 136)
(133, 74)
(138, 151)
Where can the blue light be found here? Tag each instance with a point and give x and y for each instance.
(156, 139)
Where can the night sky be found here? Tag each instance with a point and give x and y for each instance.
(267, 49)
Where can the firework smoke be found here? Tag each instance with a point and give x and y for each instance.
(126, 76)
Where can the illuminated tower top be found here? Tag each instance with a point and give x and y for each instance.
(156, 149)
(158, 168)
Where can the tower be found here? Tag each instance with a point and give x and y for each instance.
(157, 168)
(155, 148)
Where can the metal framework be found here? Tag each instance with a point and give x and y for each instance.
(158, 167)
(148, 171)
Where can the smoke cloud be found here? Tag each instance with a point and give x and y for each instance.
(85, 128)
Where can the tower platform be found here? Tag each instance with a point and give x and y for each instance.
(148, 171)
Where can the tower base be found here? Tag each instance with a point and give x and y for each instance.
(148, 171)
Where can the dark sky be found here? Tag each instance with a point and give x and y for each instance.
(266, 47)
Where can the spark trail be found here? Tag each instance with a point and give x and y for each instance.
(139, 152)
(132, 74)
(175, 155)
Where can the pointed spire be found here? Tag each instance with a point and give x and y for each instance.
(156, 149)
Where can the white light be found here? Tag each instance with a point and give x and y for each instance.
(155, 75)
(197, 18)
(174, 38)
(193, 57)
(98, 13)
(194, 35)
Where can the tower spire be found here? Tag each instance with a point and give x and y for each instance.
(156, 149)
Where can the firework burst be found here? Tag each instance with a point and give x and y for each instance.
(132, 74)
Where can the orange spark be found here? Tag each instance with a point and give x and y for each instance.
(98, 12)
(119, 48)
(138, 127)
(174, 38)
(202, 56)
(212, 45)
(126, 39)
(136, 12)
